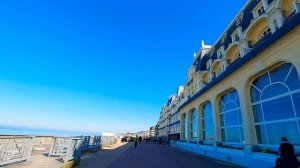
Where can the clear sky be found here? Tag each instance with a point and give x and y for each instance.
(99, 65)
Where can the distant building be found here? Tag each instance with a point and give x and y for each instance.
(242, 93)
(108, 138)
(169, 121)
(107, 134)
(142, 134)
(152, 131)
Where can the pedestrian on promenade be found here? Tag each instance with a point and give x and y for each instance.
(136, 140)
(140, 139)
(288, 158)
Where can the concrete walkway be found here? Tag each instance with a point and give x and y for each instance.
(160, 156)
(104, 157)
(39, 159)
(147, 156)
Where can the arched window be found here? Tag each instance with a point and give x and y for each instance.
(194, 125)
(205, 78)
(232, 53)
(230, 116)
(287, 7)
(184, 127)
(275, 97)
(216, 68)
(258, 31)
(207, 122)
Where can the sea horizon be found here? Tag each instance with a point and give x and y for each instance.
(27, 131)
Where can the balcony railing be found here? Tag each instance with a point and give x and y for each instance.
(288, 18)
(260, 40)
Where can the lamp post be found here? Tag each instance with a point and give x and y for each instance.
(169, 135)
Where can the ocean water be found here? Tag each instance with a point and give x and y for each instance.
(7, 130)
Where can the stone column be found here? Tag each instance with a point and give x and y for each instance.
(199, 122)
(247, 116)
(188, 138)
(216, 120)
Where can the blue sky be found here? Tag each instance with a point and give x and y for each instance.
(99, 65)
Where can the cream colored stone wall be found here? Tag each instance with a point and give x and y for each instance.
(287, 49)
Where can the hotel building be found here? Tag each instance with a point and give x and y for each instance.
(242, 94)
(169, 120)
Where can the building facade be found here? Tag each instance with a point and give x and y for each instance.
(169, 119)
(243, 92)
(152, 131)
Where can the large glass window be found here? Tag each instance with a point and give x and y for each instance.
(184, 127)
(207, 122)
(276, 105)
(194, 125)
(230, 116)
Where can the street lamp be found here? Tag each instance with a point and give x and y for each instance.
(169, 141)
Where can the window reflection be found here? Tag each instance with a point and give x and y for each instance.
(275, 99)
(194, 125)
(184, 127)
(207, 122)
(230, 117)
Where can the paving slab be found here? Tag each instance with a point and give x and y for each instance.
(104, 157)
(160, 156)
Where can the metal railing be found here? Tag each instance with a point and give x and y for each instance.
(85, 142)
(70, 148)
(14, 149)
(90, 142)
(59, 146)
(73, 149)
(95, 142)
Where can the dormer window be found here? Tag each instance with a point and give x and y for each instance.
(219, 53)
(258, 10)
(224, 38)
(207, 65)
(265, 33)
(235, 36)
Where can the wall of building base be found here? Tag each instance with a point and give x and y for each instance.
(238, 157)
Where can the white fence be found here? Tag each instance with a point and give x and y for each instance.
(70, 147)
(14, 149)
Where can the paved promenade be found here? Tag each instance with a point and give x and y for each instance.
(104, 157)
(149, 156)
(39, 159)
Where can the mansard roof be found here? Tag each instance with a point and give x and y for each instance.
(243, 19)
